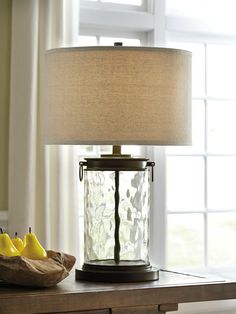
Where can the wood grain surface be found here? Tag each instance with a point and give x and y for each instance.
(73, 296)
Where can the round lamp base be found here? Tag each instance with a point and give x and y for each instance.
(103, 273)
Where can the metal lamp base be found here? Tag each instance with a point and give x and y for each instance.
(123, 273)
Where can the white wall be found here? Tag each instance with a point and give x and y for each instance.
(3, 220)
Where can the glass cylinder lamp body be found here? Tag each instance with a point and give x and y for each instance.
(100, 219)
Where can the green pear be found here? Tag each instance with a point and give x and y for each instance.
(32, 248)
(7, 248)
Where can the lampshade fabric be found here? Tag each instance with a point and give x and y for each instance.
(117, 95)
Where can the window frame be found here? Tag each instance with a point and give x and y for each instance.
(156, 29)
(176, 31)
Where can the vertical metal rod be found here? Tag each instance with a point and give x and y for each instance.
(117, 219)
(116, 150)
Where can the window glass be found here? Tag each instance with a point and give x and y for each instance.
(87, 41)
(85, 150)
(221, 182)
(221, 127)
(201, 8)
(185, 240)
(186, 7)
(223, 8)
(185, 183)
(221, 71)
(133, 150)
(221, 232)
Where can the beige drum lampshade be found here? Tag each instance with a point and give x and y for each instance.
(117, 95)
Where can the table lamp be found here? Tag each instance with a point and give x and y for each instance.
(115, 96)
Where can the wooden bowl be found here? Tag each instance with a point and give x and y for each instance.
(23, 271)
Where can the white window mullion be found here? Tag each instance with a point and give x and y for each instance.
(158, 234)
(206, 264)
(157, 36)
(70, 22)
(158, 218)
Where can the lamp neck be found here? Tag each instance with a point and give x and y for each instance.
(116, 153)
(116, 150)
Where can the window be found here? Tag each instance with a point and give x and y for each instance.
(193, 195)
(201, 203)
(194, 204)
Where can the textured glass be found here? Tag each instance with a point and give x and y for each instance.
(100, 215)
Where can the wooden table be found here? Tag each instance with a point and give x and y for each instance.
(161, 296)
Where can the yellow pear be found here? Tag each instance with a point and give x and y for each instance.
(7, 248)
(32, 248)
(18, 243)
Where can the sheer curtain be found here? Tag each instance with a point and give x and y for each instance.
(41, 193)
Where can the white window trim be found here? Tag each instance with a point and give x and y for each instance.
(133, 21)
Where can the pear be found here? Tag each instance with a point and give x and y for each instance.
(18, 243)
(7, 248)
(32, 248)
